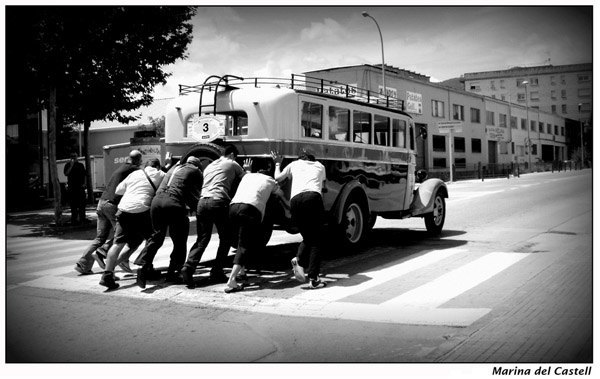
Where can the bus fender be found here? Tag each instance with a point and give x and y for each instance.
(424, 196)
(349, 188)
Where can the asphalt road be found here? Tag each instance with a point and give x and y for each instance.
(509, 281)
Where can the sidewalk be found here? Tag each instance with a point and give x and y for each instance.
(41, 223)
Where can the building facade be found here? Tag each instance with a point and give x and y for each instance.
(487, 131)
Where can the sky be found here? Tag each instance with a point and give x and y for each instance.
(440, 42)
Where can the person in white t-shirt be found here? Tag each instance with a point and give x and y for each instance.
(308, 178)
(246, 214)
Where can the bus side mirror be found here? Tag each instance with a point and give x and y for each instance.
(423, 132)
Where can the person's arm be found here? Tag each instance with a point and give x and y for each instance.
(279, 175)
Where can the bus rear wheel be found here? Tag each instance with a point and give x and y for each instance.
(354, 223)
(434, 221)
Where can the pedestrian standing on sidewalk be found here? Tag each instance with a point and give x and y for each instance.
(179, 189)
(221, 178)
(247, 211)
(106, 211)
(133, 217)
(75, 173)
(308, 178)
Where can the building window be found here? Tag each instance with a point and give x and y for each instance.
(489, 118)
(534, 81)
(563, 80)
(553, 94)
(562, 130)
(553, 80)
(459, 144)
(523, 124)
(534, 95)
(541, 127)
(437, 108)
(585, 107)
(549, 129)
(534, 149)
(513, 122)
(583, 78)
(439, 162)
(475, 115)
(553, 106)
(502, 120)
(563, 108)
(520, 97)
(503, 97)
(563, 93)
(475, 145)
(458, 112)
(439, 143)
(475, 87)
(555, 130)
(520, 82)
(312, 120)
(493, 84)
(460, 162)
(532, 125)
(584, 92)
(502, 83)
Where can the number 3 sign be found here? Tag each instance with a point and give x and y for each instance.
(204, 128)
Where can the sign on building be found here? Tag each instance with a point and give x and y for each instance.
(496, 133)
(450, 126)
(414, 102)
(390, 91)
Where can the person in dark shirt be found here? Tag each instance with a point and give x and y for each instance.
(75, 173)
(180, 189)
(106, 211)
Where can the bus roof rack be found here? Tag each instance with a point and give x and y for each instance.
(296, 82)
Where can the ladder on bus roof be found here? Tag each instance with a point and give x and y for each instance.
(226, 86)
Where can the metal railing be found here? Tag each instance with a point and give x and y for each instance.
(296, 82)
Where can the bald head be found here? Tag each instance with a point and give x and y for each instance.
(136, 157)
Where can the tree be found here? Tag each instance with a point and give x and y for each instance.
(101, 61)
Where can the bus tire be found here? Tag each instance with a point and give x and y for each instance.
(206, 152)
(434, 221)
(355, 222)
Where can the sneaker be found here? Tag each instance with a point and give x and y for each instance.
(99, 259)
(188, 277)
(218, 276)
(79, 268)
(316, 283)
(125, 267)
(108, 280)
(298, 270)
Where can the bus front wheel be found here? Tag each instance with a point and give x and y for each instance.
(206, 152)
(434, 221)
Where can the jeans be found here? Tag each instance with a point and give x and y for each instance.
(309, 215)
(106, 223)
(211, 213)
(246, 223)
(166, 213)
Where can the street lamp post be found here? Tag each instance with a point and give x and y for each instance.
(525, 83)
(580, 132)
(365, 14)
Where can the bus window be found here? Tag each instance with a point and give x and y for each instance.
(398, 133)
(382, 130)
(236, 124)
(412, 136)
(361, 127)
(339, 124)
(312, 120)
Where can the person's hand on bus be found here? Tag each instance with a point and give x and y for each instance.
(276, 157)
(247, 164)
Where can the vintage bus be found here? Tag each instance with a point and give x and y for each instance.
(365, 141)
